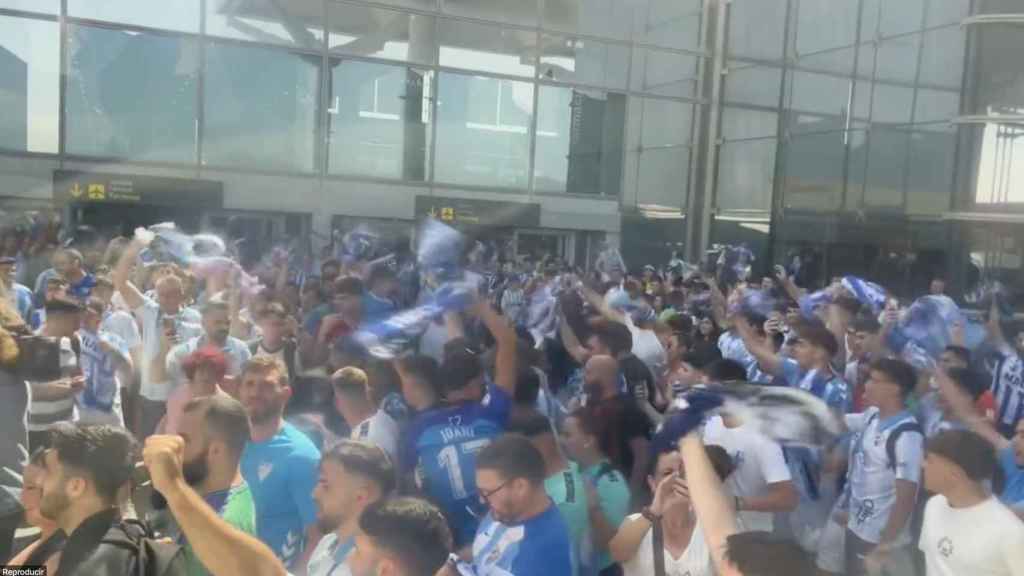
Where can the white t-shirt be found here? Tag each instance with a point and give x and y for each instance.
(648, 348)
(759, 462)
(695, 560)
(151, 321)
(982, 540)
(871, 479)
(380, 430)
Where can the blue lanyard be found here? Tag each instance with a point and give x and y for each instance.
(341, 553)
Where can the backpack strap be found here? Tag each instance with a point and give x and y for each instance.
(658, 543)
(894, 436)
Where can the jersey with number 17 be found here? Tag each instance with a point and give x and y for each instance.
(441, 445)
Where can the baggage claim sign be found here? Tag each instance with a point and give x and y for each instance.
(71, 187)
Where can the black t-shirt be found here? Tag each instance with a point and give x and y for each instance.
(637, 374)
(621, 422)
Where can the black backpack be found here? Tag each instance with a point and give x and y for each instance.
(150, 556)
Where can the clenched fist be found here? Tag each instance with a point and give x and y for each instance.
(164, 456)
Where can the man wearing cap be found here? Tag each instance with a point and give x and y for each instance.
(54, 401)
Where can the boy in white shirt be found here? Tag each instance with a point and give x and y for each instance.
(966, 529)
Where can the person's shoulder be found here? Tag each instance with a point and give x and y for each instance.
(300, 446)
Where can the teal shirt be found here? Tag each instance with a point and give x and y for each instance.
(613, 496)
(567, 491)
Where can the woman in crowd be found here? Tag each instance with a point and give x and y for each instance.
(685, 548)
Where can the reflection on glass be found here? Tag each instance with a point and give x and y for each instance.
(522, 12)
(665, 123)
(42, 6)
(295, 22)
(483, 131)
(664, 73)
(584, 61)
(839, 61)
(184, 16)
(131, 95)
(942, 56)
(814, 171)
(819, 93)
(741, 124)
(30, 89)
(261, 108)
(930, 171)
(900, 17)
(668, 23)
(487, 48)
(746, 172)
(379, 120)
(892, 104)
(824, 24)
(663, 177)
(366, 31)
(604, 18)
(756, 28)
(897, 59)
(579, 141)
(934, 109)
(752, 84)
(886, 157)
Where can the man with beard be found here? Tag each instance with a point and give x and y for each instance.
(280, 464)
(215, 430)
(353, 475)
(85, 468)
(400, 537)
(216, 333)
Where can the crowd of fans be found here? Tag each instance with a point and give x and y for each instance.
(230, 421)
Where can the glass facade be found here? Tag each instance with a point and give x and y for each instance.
(796, 125)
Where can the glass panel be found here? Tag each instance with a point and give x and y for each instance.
(892, 104)
(43, 6)
(665, 123)
(756, 28)
(823, 24)
(746, 175)
(419, 4)
(487, 48)
(183, 17)
(366, 31)
(897, 59)
(814, 171)
(30, 84)
(131, 95)
(579, 141)
(818, 93)
(245, 83)
(664, 73)
(740, 124)
(900, 16)
(605, 18)
(838, 61)
(379, 120)
(943, 12)
(930, 178)
(887, 157)
(483, 129)
(584, 61)
(663, 177)
(934, 109)
(752, 84)
(669, 23)
(942, 57)
(294, 23)
(522, 12)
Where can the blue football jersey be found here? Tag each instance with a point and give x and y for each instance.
(440, 447)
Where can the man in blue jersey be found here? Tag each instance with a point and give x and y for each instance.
(437, 452)
(523, 534)
(1007, 375)
(280, 464)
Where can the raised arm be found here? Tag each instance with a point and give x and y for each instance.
(598, 303)
(123, 271)
(765, 354)
(712, 504)
(505, 335)
(208, 533)
(571, 341)
(719, 303)
(963, 407)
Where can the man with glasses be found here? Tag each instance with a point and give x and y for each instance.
(523, 534)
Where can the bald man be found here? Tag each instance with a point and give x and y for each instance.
(625, 431)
